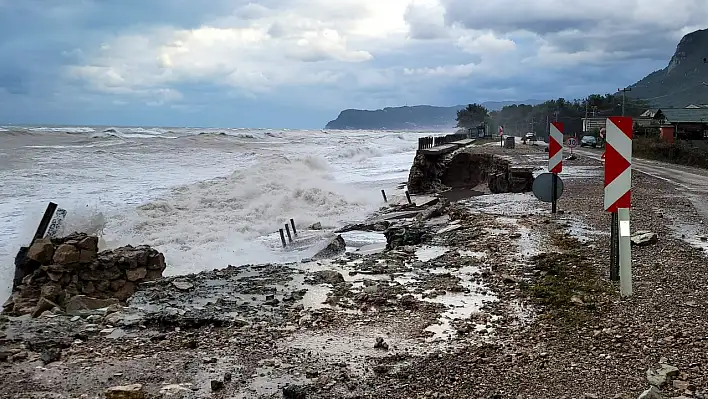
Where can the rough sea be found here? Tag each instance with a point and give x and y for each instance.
(206, 198)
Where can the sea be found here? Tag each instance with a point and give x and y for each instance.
(206, 198)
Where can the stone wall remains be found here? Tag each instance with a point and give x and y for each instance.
(55, 270)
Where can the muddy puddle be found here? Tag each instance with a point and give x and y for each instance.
(507, 204)
(581, 230)
(694, 233)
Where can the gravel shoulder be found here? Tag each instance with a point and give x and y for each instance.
(490, 297)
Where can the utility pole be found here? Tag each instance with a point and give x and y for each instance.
(585, 121)
(624, 91)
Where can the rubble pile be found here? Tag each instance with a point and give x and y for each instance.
(56, 270)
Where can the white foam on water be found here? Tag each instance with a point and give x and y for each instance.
(232, 220)
(210, 198)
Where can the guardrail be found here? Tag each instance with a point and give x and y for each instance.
(434, 141)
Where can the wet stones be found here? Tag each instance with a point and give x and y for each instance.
(406, 235)
(327, 277)
(335, 247)
(67, 267)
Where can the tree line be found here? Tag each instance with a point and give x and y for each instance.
(520, 119)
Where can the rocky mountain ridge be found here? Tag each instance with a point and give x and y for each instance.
(683, 81)
(417, 117)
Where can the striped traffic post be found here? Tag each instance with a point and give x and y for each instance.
(555, 157)
(618, 195)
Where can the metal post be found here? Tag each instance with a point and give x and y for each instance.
(292, 223)
(383, 193)
(614, 248)
(554, 190)
(408, 196)
(625, 252)
(44, 223)
(282, 238)
(287, 230)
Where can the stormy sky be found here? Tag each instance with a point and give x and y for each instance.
(297, 63)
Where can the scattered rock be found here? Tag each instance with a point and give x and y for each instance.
(662, 375)
(217, 385)
(327, 277)
(43, 305)
(381, 344)
(651, 393)
(175, 390)
(335, 247)
(183, 285)
(79, 304)
(134, 391)
(644, 238)
(294, 392)
(406, 235)
(50, 355)
(316, 226)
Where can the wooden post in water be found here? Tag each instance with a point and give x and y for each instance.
(287, 230)
(383, 193)
(292, 223)
(408, 196)
(282, 238)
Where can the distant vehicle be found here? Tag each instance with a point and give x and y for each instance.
(530, 136)
(588, 141)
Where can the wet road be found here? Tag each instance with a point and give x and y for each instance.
(692, 181)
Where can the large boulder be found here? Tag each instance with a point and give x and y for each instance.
(336, 246)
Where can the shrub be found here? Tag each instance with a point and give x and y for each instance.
(682, 152)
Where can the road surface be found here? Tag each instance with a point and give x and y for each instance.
(692, 181)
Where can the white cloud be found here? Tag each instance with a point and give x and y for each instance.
(343, 48)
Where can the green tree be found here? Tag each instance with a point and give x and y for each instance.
(519, 119)
(471, 116)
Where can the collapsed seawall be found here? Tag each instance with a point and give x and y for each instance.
(466, 168)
